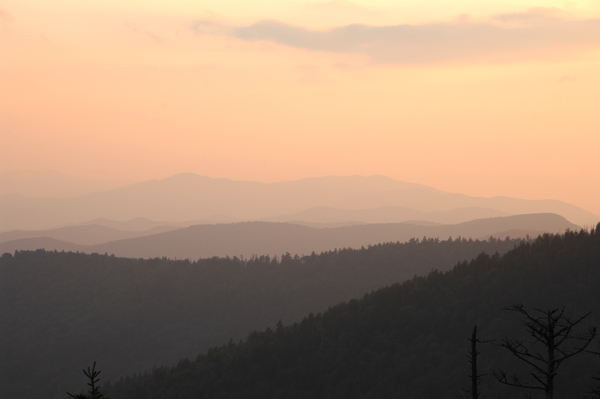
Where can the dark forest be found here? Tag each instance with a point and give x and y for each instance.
(63, 311)
(408, 340)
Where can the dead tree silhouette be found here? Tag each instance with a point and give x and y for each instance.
(555, 333)
(472, 356)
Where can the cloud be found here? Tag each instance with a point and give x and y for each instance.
(533, 13)
(208, 27)
(532, 16)
(435, 42)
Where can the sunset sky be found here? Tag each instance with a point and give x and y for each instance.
(483, 98)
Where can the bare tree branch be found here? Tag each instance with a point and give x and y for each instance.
(553, 330)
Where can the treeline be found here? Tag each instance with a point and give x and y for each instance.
(408, 340)
(62, 311)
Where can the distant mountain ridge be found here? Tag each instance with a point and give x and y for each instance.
(186, 197)
(387, 214)
(268, 238)
(84, 234)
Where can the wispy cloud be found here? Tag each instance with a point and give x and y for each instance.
(532, 16)
(210, 27)
(527, 34)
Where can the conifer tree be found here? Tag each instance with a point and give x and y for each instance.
(94, 392)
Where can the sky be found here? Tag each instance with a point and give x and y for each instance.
(483, 98)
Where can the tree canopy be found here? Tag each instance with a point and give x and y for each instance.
(407, 340)
(61, 311)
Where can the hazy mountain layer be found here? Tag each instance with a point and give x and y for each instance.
(261, 238)
(83, 234)
(144, 224)
(136, 224)
(387, 214)
(188, 197)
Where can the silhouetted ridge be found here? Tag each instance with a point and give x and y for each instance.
(408, 340)
(63, 311)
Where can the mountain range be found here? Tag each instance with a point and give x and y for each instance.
(332, 199)
(269, 238)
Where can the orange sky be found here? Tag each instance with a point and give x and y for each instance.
(486, 99)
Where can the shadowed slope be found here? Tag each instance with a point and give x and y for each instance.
(404, 341)
(61, 310)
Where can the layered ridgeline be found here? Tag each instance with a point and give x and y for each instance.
(332, 199)
(408, 340)
(62, 311)
(262, 238)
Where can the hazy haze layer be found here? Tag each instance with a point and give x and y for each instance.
(188, 198)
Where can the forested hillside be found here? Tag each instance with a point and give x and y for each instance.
(62, 311)
(408, 340)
